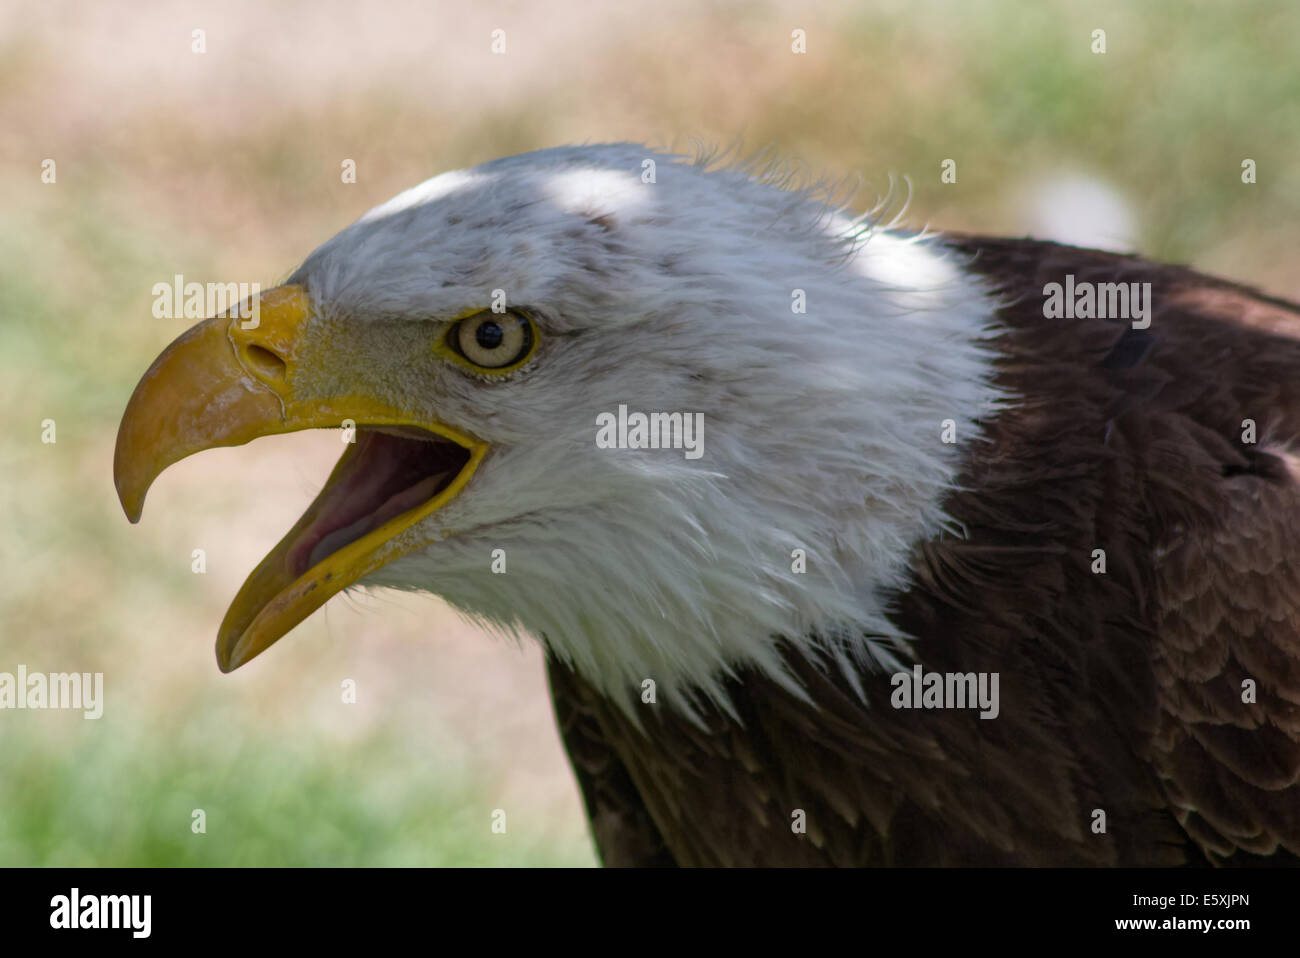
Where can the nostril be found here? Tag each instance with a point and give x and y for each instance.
(264, 362)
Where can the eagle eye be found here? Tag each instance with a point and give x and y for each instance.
(491, 340)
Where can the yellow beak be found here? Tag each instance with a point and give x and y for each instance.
(221, 384)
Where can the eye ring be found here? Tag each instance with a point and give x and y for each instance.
(493, 342)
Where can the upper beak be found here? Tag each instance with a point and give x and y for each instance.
(228, 381)
(215, 385)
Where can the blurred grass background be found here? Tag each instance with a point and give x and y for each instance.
(224, 166)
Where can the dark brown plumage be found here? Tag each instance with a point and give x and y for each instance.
(1121, 691)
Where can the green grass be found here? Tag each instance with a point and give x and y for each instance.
(103, 799)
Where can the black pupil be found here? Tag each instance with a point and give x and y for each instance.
(489, 335)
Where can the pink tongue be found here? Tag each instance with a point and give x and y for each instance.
(395, 505)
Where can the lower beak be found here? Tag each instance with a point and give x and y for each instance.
(230, 380)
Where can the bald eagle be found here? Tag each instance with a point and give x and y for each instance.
(847, 545)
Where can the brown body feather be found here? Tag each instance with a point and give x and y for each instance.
(1120, 691)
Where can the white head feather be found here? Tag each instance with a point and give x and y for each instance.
(822, 428)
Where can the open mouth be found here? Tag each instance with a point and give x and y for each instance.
(392, 470)
(392, 477)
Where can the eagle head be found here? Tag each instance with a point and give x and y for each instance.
(664, 416)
